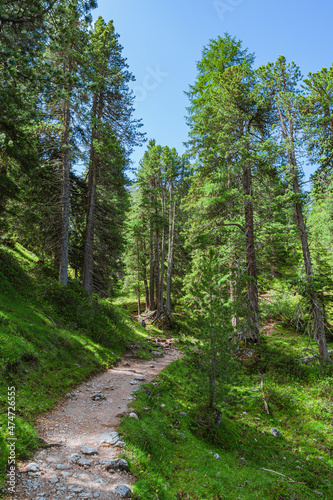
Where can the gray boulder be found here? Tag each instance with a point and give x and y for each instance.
(122, 490)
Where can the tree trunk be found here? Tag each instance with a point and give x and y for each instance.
(161, 302)
(172, 217)
(88, 261)
(315, 306)
(65, 196)
(252, 330)
(157, 270)
(151, 268)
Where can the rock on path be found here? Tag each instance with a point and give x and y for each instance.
(84, 464)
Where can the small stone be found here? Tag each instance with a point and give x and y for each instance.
(275, 432)
(89, 450)
(74, 458)
(63, 466)
(217, 456)
(243, 459)
(109, 438)
(163, 406)
(69, 395)
(117, 463)
(32, 467)
(134, 415)
(156, 353)
(139, 377)
(135, 382)
(182, 434)
(98, 396)
(319, 493)
(77, 489)
(298, 467)
(122, 490)
(84, 462)
(120, 444)
(96, 495)
(53, 480)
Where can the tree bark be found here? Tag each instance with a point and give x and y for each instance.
(88, 261)
(314, 300)
(172, 217)
(151, 267)
(157, 270)
(161, 301)
(252, 330)
(65, 196)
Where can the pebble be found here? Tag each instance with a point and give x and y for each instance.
(84, 462)
(33, 467)
(116, 463)
(275, 432)
(77, 489)
(53, 480)
(319, 493)
(139, 377)
(217, 456)
(122, 490)
(63, 466)
(74, 458)
(89, 450)
(134, 415)
(109, 438)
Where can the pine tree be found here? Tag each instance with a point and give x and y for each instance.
(281, 80)
(113, 131)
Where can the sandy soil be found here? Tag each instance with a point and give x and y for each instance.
(83, 419)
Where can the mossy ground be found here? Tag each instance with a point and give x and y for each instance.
(51, 339)
(173, 455)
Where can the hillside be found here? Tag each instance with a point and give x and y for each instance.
(51, 339)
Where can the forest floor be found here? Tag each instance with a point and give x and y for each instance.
(87, 417)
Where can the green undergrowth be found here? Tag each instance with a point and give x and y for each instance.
(172, 448)
(51, 339)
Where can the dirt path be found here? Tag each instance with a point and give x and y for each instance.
(87, 418)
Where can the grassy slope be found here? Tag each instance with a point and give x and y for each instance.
(50, 340)
(171, 466)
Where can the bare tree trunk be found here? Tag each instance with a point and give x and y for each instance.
(151, 268)
(88, 261)
(231, 282)
(252, 331)
(161, 302)
(314, 300)
(157, 270)
(65, 196)
(315, 306)
(172, 217)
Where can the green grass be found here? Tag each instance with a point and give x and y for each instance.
(51, 339)
(171, 466)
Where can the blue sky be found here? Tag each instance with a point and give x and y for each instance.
(163, 40)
